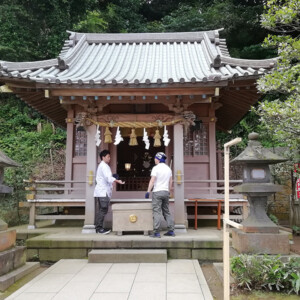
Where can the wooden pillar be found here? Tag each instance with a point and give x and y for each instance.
(113, 154)
(69, 147)
(91, 168)
(178, 178)
(212, 149)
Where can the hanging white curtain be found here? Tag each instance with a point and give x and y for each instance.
(146, 139)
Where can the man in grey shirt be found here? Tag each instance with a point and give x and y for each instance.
(161, 182)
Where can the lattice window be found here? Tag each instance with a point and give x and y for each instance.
(196, 141)
(80, 143)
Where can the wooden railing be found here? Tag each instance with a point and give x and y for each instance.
(55, 194)
(203, 188)
(54, 189)
(62, 193)
(134, 184)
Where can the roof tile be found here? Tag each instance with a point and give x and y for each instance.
(145, 58)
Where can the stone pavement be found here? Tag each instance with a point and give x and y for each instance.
(76, 279)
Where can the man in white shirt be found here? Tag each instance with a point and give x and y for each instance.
(161, 182)
(103, 190)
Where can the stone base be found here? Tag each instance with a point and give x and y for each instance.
(88, 229)
(132, 217)
(12, 259)
(180, 228)
(7, 239)
(261, 243)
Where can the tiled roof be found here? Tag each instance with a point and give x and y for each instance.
(138, 59)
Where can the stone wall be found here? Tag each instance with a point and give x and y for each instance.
(279, 204)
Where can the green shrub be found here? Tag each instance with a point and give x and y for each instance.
(266, 272)
(296, 229)
(274, 219)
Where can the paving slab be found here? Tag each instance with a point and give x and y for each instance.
(77, 279)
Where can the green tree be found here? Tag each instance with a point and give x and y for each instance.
(34, 29)
(94, 22)
(31, 141)
(240, 20)
(119, 16)
(279, 112)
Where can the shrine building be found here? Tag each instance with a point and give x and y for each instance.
(137, 94)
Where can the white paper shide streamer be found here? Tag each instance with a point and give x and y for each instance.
(146, 139)
(98, 136)
(166, 137)
(118, 137)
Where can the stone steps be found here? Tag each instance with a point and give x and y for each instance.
(53, 244)
(11, 277)
(128, 256)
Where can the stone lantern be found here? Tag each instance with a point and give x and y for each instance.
(5, 161)
(257, 186)
(13, 264)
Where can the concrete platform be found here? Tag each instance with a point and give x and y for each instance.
(128, 256)
(80, 280)
(55, 243)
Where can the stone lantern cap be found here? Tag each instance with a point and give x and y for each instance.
(255, 153)
(5, 161)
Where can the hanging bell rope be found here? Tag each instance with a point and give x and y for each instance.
(133, 140)
(107, 135)
(157, 137)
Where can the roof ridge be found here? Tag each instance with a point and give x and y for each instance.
(26, 65)
(246, 63)
(145, 37)
(64, 60)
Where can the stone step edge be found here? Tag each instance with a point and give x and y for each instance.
(10, 278)
(128, 255)
(218, 267)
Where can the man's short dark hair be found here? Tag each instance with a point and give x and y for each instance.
(103, 153)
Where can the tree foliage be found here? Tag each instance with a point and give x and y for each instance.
(34, 29)
(30, 140)
(279, 113)
(26, 137)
